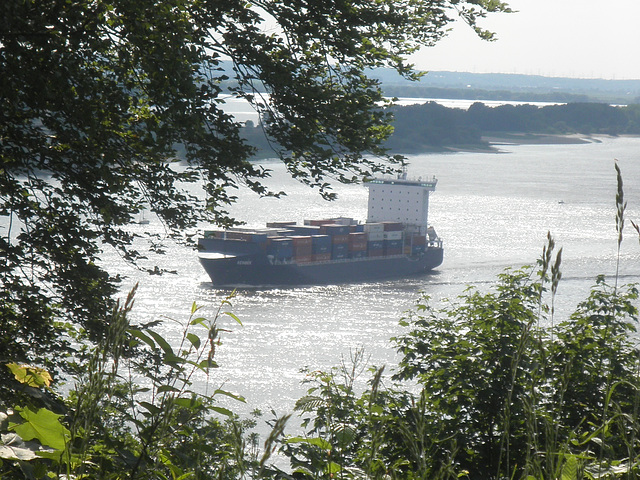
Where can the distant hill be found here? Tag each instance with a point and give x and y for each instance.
(497, 86)
(519, 87)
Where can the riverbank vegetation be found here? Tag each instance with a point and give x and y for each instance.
(431, 127)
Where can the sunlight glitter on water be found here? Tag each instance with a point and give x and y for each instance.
(493, 211)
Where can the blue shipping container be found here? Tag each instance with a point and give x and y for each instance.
(339, 255)
(321, 243)
(280, 248)
(340, 248)
(335, 229)
(415, 249)
(393, 244)
(375, 245)
(305, 230)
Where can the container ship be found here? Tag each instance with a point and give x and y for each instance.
(394, 242)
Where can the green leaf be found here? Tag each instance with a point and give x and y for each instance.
(570, 468)
(166, 348)
(190, 402)
(233, 316)
(318, 442)
(194, 339)
(150, 407)
(200, 321)
(230, 395)
(44, 426)
(173, 359)
(223, 411)
(167, 388)
(145, 338)
(309, 403)
(28, 375)
(207, 364)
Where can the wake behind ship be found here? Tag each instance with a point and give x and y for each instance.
(395, 242)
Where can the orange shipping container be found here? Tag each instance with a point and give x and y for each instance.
(357, 236)
(318, 222)
(299, 241)
(416, 240)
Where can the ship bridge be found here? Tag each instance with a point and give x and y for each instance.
(400, 200)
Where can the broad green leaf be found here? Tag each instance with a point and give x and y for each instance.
(166, 348)
(309, 403)
(44, 426)
(200, 321)
(151, 408)
(194, 339)
(333, 467)
(167, 388)
(171, 358)
(318, 442)
(145, 338)
(189, 402)
(345, 434)
(240, 398)
(570, 468)
(28, 375)
(205, 365)
(223, 411)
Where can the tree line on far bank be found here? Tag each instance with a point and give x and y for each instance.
(431, 126)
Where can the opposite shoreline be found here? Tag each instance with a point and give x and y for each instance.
(493, 141)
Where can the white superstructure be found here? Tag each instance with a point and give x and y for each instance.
(400, 200)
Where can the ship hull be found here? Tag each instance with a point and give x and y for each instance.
(258, 269)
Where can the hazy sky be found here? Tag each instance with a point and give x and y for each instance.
(557, 38)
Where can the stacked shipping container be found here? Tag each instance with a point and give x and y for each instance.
(329, 239)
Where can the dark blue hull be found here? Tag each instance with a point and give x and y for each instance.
(257, 269)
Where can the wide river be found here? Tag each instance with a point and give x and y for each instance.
(493, 210)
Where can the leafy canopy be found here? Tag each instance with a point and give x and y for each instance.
(98, 98)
